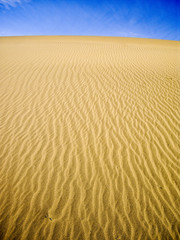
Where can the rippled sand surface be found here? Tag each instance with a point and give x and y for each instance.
(89, 138)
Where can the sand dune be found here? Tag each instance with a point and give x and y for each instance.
(89, 138)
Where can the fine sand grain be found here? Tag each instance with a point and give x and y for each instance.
(89, 138)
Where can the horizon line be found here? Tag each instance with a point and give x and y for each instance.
(87, 36)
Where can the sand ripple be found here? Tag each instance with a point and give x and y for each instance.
(89, 138)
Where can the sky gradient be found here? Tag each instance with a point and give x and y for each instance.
(126, 18)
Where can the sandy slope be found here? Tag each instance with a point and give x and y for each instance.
(89, 144)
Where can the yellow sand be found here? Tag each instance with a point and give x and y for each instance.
(89, 138)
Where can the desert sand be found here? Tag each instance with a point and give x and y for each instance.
(89, 138)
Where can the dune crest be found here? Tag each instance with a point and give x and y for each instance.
(89, 138)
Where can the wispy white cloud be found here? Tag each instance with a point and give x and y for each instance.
(11, 3)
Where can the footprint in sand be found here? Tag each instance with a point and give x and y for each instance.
(46, 216)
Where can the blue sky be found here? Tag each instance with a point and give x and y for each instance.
(126, 18)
